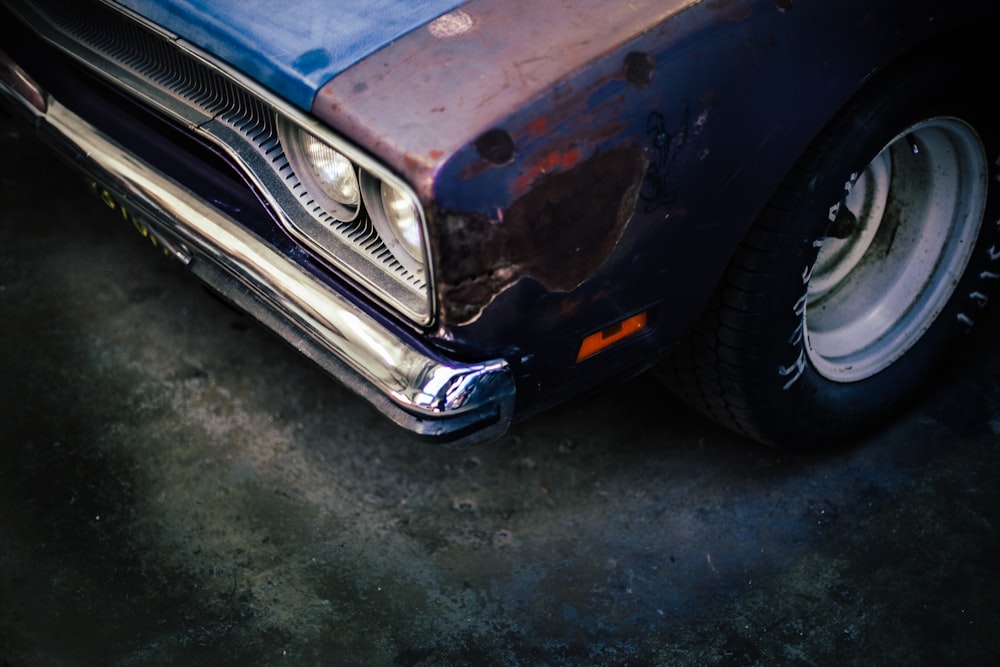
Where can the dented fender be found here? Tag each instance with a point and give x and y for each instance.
(573, 177)
(558, 233)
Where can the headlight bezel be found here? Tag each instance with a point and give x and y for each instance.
(296, 143)
(409, 252)
(320, 225)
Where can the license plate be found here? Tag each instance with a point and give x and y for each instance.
(115, 203)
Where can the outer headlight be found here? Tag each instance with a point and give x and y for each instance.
(328, 175)
(349, 210)
(396, 217)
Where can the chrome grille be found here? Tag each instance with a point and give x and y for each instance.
(241, 118)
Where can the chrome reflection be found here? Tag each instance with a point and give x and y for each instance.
(426, 394)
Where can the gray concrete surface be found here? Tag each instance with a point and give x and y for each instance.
(178, 487)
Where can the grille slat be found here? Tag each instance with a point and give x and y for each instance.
(154, 67)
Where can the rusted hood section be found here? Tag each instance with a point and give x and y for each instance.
(422, 98)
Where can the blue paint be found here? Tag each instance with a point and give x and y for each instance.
(291, 46)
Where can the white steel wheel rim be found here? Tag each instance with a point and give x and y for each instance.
(919, 205)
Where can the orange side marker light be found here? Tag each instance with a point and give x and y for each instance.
(610, 335)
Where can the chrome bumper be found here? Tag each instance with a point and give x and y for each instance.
(426, 394)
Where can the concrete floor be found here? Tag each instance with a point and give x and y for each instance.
(179, 487)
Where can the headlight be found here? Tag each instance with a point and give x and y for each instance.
(346, 208)
(327, 175)
(396, 217)
(334, 172)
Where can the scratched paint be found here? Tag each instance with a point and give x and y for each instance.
(451, 25)
(463, 76)
(694, 108)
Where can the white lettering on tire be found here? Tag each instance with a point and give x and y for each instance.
(795, 370)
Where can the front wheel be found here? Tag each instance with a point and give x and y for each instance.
(877, 254)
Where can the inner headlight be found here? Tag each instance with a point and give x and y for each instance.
(351, 211)
(328, 175)
(334, 172)
(396, 217)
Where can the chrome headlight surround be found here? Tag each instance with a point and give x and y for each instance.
(338, 193)
(327, 174)
(396, 216)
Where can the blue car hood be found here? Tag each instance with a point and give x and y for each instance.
(291, 46)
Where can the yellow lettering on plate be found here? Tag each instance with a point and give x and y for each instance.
(111, 202)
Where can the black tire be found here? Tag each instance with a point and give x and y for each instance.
(788, 352)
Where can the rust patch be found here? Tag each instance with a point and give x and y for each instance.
(562, 160)
(559, 234)
(639, 69)
(496, 146)
(538, 127)
(730, 10)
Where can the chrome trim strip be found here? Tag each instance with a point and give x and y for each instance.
(17, 81)
(430, 396)
(240, 117)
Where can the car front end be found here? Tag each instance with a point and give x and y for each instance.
(468, 212)
(235, 182)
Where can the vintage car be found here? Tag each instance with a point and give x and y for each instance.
(471, 211)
